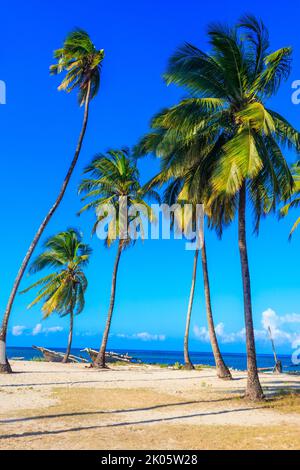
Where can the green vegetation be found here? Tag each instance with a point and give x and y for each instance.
(113, 178)
(285, 402)
(62, 291)
(221, 146)
(81, 62)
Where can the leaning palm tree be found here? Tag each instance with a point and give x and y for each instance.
(295, 202)
(62, 291)
(113, 190)
(82, 63)
(187, 222)
(229, 87)
(187, 360)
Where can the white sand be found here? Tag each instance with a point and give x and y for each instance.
(69, 406)
(30, 387)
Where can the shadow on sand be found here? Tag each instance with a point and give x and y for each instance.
(123, 423)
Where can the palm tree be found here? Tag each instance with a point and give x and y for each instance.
(295, 202)
(187, 360)
(113, 189)
(184, 222)
(189, 185)
(228, 90)
(82, 63)
(63, 290)
(222, 370)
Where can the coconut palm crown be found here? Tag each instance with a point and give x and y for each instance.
(63, 290)
(82, 63)
(113, 178)
(226, 108)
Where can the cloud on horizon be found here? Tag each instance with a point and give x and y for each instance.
(19, 330)
(285, 331)
(143, 336)
(288, 335)
(202, 334)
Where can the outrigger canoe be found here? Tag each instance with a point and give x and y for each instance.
(111, 356)
(54, 356)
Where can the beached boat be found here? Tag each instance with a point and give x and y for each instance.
(55, 356)
(111, 356)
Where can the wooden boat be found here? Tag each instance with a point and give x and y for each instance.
(111, 356)
(54, 356)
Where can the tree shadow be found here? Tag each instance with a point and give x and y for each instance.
(124, 423)
(130, 410)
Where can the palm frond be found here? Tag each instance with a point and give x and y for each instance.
(59, 290)
(82, 63)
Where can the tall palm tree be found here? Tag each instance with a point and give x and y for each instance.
(295, 202)
(218, 215)
(187, 360)
(189, 185)
(229, 87)
(112, 186)
(82, 63)
(63, 290)
(184, 222)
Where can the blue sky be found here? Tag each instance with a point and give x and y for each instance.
(39, 128)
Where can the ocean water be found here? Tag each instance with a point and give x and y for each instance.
(234, 360)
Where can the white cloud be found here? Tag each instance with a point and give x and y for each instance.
(229, 337)
(18, 330)
(201, 333)
(37, 329)
(40, 329)
(270, 318)
(52, 329)
(143, 336)
(291, 318)
(85, 333)
(285, 330)
(275, 322)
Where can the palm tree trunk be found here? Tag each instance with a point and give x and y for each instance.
(222, 370)
(187, 361)
(4, 365)
(100, 360)
(66, 358)
(253, 390)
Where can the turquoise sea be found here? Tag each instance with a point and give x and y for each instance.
(234, 360)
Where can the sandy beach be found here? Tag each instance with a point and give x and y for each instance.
(69, 406)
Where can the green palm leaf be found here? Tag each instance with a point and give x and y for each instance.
(111, 177)
(62, 291)
(82, 63)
